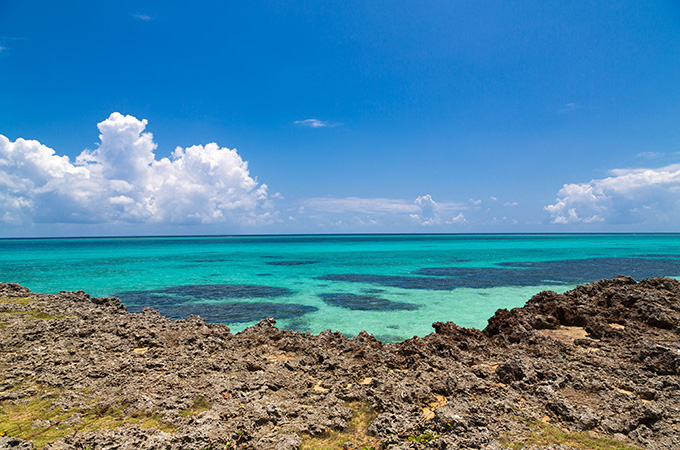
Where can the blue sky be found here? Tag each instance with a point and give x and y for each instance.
(335, 117)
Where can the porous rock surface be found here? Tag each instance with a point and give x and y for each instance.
(602, 360)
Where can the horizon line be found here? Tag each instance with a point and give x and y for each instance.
(263, 235)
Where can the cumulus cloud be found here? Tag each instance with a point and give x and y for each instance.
(123, 182)
(460, 218)
(427, 214)
(314, 123)
(627, 196)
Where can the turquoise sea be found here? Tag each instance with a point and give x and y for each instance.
(394, 286)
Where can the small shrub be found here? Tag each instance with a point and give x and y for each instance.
(423, 438)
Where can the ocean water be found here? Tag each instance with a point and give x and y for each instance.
(394, 286)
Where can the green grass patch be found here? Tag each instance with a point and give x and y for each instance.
(545, 434)
(200, 405)
(33, 314)
(356, 431)
(37, 314)
(16, 300)
(18, 420)
(36, 419)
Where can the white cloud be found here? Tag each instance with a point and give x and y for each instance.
(627, 196)
(314, 123)
(378, 211)
(460, 218)
(5, 40)
(649, 155)
(143, 17)
(569, 107)
(123, 182)
(510, 204)
(428, 211)
(360, 205)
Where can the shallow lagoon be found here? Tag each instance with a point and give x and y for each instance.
(393, 286)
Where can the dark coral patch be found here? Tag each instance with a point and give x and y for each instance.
(208, 292)
(521, 273)
(220, 291)
(389, 338)
(298, 324)
(365, 302)
(200, 261)
(403, 282)
(592, 269)
(482, 277)
(233, 312)
(290, 263)
(181, 301)
(373, 291)
(176, 300)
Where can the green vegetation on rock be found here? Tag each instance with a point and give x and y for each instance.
(200, 405)
(33, 314)
(356, 431)
(423, 438)
(545, 434)
(39, 420)
(16, 300)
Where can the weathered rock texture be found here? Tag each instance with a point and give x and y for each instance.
(564, 371)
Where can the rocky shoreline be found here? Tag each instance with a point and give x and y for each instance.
(596, 367)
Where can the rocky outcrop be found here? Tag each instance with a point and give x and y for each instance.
(595, 366)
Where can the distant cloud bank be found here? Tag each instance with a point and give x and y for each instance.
(628, 196)
(362, 211)
(123, 182)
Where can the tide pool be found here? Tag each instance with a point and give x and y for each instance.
(394, 286)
